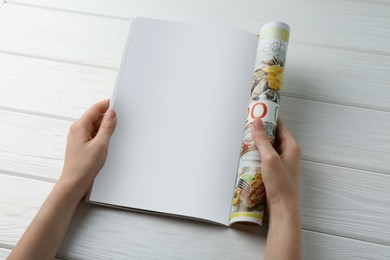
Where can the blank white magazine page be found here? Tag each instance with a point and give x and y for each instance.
(181, 100)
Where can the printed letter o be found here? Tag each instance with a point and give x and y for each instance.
(253, 110)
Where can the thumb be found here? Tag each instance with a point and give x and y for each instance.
(107, 126)
(261, 140)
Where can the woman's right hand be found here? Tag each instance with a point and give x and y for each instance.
(280, 169)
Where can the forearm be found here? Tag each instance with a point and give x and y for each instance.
(44, 235)
(85, 154)
(284, 236)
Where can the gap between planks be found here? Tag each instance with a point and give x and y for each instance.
(54, 180)
(28, 176)
(39, 114)
(351, 49)
(70, 11)
(58, 60)
(9, 247)
(344, 236)
(312, 99)
(376, 2)
(336, 102)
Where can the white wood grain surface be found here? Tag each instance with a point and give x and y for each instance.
(51, 88)
(3, 251)
(57, 57)
(323, 246)
(32, 146)
(327, 133)
(144, 235)
(194, 239)
(339, 134)
(56, 35)
(346, 202)
(351, 25)
(314, 245)
(327, 75)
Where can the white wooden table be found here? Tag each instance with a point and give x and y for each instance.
(57, 57)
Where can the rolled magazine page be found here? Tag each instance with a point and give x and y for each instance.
(249, 196)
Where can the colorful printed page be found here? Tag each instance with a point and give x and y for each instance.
(181, 99)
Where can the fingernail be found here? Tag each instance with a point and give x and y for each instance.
(110, 114)
(258, 124)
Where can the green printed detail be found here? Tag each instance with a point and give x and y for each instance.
(256, 215)
(275, 32)
(276, 114)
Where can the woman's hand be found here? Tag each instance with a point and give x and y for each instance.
(86, 152)
(280, 169)
(87, 146)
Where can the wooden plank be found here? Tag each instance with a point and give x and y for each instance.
(65, 90)
(144, 236)
(327, 191)
(328, 133)
(332, 27)
(99, 41)
(324, 247)
(345, 202)
(32, 145)
(338, 76)
(75, 38)
(20, 200)
(135, 235)
(316, 73)
(340, 135)
(4, 252)
(52, 88)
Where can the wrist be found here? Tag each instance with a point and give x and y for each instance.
(74, 189)
(284, 211)
(284, 232)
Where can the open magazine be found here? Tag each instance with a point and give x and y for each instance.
(181, 96)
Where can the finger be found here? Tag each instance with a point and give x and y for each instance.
(262, 141)
(97, 124)
(287, 143)
(87, 121)
(107, 126)
(283, 132)
(95, 112)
